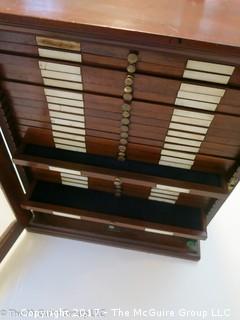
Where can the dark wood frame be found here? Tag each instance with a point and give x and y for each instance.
(11, 186)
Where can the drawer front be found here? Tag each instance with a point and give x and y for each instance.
(95, 121)
(186, 65)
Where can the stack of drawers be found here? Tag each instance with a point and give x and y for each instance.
(121, 144)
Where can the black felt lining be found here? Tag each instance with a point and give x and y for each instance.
(128, 207)
(128, 165)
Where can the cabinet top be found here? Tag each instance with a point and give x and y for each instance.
(214, 21)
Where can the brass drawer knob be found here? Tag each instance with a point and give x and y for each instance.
(126, 107)
(126, 114)
(125, 121)
(131, 68)
(128, 89)
(124, 128)
(122, 148)
(129, 80)
(121, 154)
(124, 135)
(127, 97)
(123, 141)
(132, 58)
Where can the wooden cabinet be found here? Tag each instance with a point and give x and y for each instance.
(125, 137)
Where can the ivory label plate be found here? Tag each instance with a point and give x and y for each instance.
(195, 104)
(63, 94)
(68, 123)
(175, 165)
(210, 67)
(165, 196)
(70, 148)
(74, 185)
(188, 128)
(186, 120)
(79, 182)
(67, 215)
(73, 176)
(161, 199)
(177, 154)
(61, 75)
(186, 142)
(68, 129)
(198, 96)
(57, 107)
(51, 66)
(202, 89)
(176, 160)
(64, 170)
(209, 77)
(163, 191)
(69, 142)
(193, 114)
(178, 147)
(65, 102)
(167, 233)
(62, 84)
(68, 136)
(58, 43)
(192, 136)
(67, 116)
(60, 55)
(170, 188)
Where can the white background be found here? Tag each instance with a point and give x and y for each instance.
(47, 272)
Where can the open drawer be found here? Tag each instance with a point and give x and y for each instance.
(129, 212)
(66, 226)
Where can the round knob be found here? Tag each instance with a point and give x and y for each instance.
(132, 58)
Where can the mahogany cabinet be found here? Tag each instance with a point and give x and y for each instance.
(127, 134)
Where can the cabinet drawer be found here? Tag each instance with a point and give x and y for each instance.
(160, 62)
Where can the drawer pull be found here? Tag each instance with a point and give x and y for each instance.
(126, 107)
(127, 97)
(128, 89)
(131, 68)
(129, 80)
(132, 58)
(125, 121)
